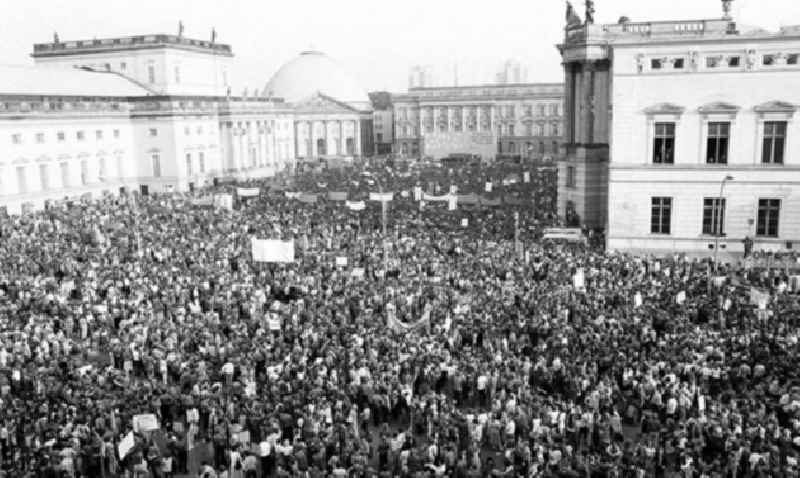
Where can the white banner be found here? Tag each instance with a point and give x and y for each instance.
(381, 197)
(488, 187)
(145, 422)
(464, 222)
(417, 193)
(274, 324)
(526, 177)
(290, 195)
(224, 201)
(126, 445)
(272, 250)
(579, 279)
(452, 202)
(247, 192)
(341, 261)
(358, 272)
(355, 205)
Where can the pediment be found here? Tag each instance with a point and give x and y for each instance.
(665, 109)
(719, 107)
(320, 102)
(775, 107)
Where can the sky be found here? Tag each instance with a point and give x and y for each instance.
(376, 40)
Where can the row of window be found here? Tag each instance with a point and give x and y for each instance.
(767, 222)
(718, 61)
(506, 111)
(718, 135)
(44, 175)
(512, 147)
(61, 136)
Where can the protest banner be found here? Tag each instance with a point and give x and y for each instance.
(488, 187)
(291, 195)
(307, 198)
(145, 422)
(381, 197)
(358, 272)
(274, 324)
(356, 205)
(341, 261)
(247, 192)
(272, 250)
(126, 445)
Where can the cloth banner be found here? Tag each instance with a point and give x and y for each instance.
(224, 201)
(307, 198)
(337, 196)
(431, 198)
(291, 195)
(126, 445)
(490, 202)
(526, 177)
(247, 192)
(145, 422)
(203, 202)
(579, 279)
(398, 326)
(381, 197)
(761, 299)
(469, 199)
(488, 187)
(355, 205)
(272, 250)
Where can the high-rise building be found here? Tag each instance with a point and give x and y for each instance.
(700, 151)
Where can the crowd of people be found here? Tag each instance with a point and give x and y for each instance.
(141, 339)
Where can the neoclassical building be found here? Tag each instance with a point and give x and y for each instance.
(702, 149)
(155, 113)
(489, 120)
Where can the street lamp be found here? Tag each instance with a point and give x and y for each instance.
(716, 216)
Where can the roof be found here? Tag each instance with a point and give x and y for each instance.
(137, 42)
(59, 81)
(314, 72)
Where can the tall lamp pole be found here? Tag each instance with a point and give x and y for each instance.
(717, 215)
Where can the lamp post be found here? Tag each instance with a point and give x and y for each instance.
(716, 216)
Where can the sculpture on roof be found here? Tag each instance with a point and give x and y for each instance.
(589, 12)
(55, 38)
(572, 18)
(180, 29)
(726, 9)
(213, 35)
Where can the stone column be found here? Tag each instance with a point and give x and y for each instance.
(342, 144)
(357, 137)
(296, 139)
(450, 115)
(464, 117)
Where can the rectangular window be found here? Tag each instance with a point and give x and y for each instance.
(151, 73)
(123, 66)
(570, 176)
(64, 175)
(769, 60)
(791, 59)
(177, 74)
(714, 216)
(61, 136)
(22, 180)
(188, 164)
(664, 143)
(717, 143)
(201, 159)
(556, 148)
(39, 138)
(16, 138)
(661, 215)
(98, 134)
(102, 168)
(44, 177)
(84, 172)
(774, 142)
(541, 147)
(156, 159)
(712, 61)
(153, 132)
(116, 134)
(80, 135)
(187, 130)
(511, 130)
(769, 211)
(734, 61)
(678, 63)
(199, 130)
(655, 64)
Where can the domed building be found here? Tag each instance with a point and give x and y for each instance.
(332, 112)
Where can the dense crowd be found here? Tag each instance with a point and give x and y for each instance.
(454, 354)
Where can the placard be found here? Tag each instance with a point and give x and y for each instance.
(126, 445)
(272, 250)
(341, 261)
(145, 422)
(247, 192)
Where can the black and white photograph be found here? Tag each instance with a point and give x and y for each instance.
(413, 239)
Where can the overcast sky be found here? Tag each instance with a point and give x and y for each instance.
(376, 40)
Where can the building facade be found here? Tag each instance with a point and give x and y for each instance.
(154, 113)
(701, 151)
(519, 120)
